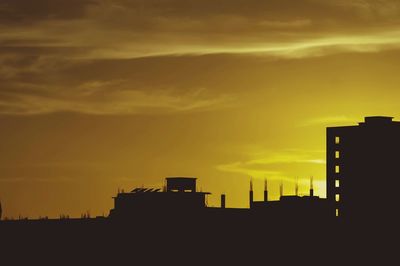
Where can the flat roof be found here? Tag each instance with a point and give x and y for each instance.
(370, 121)
(181, 177)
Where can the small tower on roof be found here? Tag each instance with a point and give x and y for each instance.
(265, 190)
(312, 186)
(251, 193)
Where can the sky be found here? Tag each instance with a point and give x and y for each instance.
(101, 95)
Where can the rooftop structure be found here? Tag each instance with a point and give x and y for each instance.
(291, 206)
(178, 196)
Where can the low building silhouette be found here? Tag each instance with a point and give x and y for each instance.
(178, 196)
(289, 207)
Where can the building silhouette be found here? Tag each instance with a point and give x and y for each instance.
(289, 207)
(361, 175)
(362, 171)
(178, 196)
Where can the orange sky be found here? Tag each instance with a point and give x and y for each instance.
(97, 95)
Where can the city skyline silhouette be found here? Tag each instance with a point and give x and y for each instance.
(355, 156)
(230, 132)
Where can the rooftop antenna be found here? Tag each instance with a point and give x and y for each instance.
(223, 199)
(296, 189)
(251, 193)
(312, 186)
(265, 189)
(281, 188)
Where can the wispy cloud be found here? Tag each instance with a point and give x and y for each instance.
(276, 165)
(107, 29)
(39, 41)
(291, 166)
(300, 48)
(247, 169)
(35, 179)
(93, 98)
(329, 120)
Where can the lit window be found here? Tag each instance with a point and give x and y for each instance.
(337, 212)
(337, 140)
(337, 197)
(337, 169)
(337, 183)
(337, 154)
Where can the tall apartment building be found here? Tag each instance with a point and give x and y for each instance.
(363, 170)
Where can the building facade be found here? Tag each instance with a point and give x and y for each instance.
(363, 170)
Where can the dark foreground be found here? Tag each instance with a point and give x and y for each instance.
(193, 241)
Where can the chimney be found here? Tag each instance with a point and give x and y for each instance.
(312, 187)
(222, 201)
(265, 190)
(251, 193)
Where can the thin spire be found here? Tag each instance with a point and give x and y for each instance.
(296, 189)
(265, 190)
(312, 186)
(312, 182)
(251, 193)
(281, 188)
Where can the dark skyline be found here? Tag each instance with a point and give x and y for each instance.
(357, 156)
